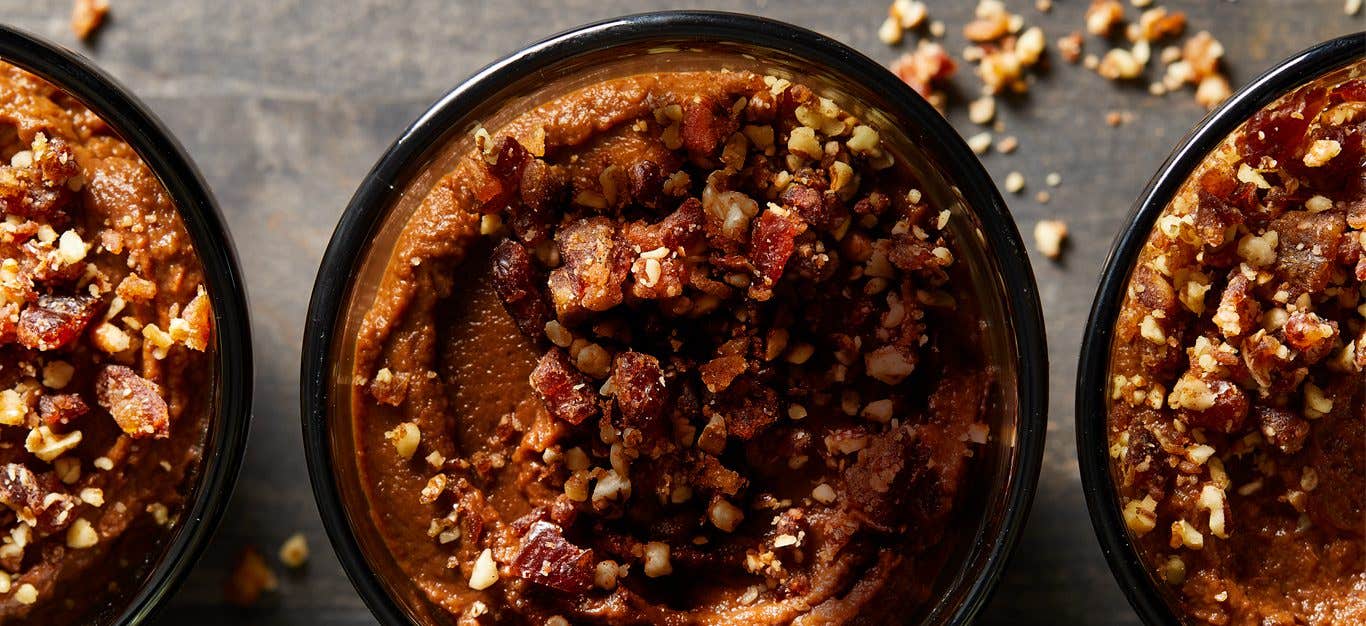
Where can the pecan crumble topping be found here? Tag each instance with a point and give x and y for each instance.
(102, 412)
(1238, 398)
(732, 380)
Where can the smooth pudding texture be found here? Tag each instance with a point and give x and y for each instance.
(1238, 397)
(105, 361)
(678, 348)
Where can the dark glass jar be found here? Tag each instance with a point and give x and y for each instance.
(1148, 595)
(230, 395)
(1003, 285)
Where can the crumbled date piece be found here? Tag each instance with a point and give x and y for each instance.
(39, 189)
(1307, 243)
(547, 558)
(134, 402)
(749, 406)
(1282, 428)
(771, 245)
(639, 389)
(542, 189)
(705, 126)
(55, 321)
(58, 411)
(35, 500)
(1313, 336)
(646, 183)
(681, 229)
(892, 482)
(565, 391)
(517, 282)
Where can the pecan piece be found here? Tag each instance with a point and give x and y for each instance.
(515, 280)
(55, 321)
(565, 392)
(596, 265)
(134, 402)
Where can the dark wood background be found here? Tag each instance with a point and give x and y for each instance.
(286, 105)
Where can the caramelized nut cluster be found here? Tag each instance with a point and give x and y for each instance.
(755, 297)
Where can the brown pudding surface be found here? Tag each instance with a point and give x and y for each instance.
(104, 378)
(1238, 398)
(680, 348)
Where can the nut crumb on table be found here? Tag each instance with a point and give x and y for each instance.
(87, 16)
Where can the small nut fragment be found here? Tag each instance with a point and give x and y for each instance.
(1119, 64)
(86, 18)
(657, 559)
(1014, 182)
(725, 516)
(1049, 236)
(485, 571)
(294, 551)
(1321, 152)
(46, 445)
(26, 594)
(57, 374)
(1141, 515)
(823, 493)
(982, 110)
(605, 575)
(81, 535)
(405, 438)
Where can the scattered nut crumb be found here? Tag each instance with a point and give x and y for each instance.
(982, 110)
(980, 143)
(87, 16)
(294, 551)
(1015, 182)
(250, 578)
(1049, 236)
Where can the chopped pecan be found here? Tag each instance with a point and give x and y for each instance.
(1238, 312)
(595, 266)
(55, 321)
(515, 278)
(566, 392)
(134, 402)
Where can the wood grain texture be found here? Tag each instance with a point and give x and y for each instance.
(285, 106)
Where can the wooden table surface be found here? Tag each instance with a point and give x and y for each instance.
(286, 105)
